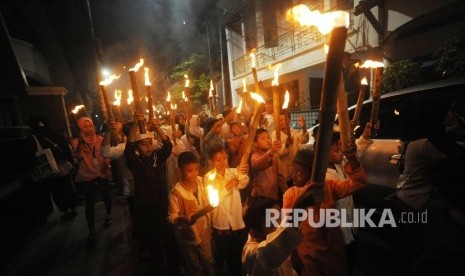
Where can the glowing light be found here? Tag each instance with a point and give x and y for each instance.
(137, 66)
(364, 81)
(239, 108)
(244, 86)
(275, 81)
(168, 97)
(372, 64)
(396, 112)
(253, 63)
(187, 81)
(286, 100)
(323, 22)
(147, 79)
(118, 97)
(130, 97)
(257, 97)
(109, 79)
(213, 197)
(77, 108)
(326, 47)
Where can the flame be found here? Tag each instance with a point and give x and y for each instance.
(174, 106)
(372, 64)
(244, 85)
(146, 99)
(118, 97)
(213, 197)
(239, 107)
(147, 79)
(210, 93)
(396, 112)
(257, 97)
(183, 95)
(253, 63)
(109, 80)
(364, 81)
(275, 81)
(286, 100)
(211, 85)
(137, 66)
(187, 80)
(324, 22)
(130, 97)
(168, 97)
(357, 64)
(326, 47)
(77, 108)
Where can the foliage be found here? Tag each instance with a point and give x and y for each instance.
(451, 57)
(196, 67)
(401, 74)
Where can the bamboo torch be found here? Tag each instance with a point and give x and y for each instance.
(130, 100)
(258, 107)
(335, 23)
(135, 91)
(376, 94)
(286, 111)
(117, 104)
(186, 96)
(103, 85)
(276, 102)
(258, 86)
(210, 98)
(358, 107)
(148, 87)
(171, 109)
(347, 139)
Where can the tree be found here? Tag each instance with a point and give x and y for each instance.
(401, 74)
(451, 57)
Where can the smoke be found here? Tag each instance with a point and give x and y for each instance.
(164, 32)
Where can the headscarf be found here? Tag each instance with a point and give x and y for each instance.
(88, 138)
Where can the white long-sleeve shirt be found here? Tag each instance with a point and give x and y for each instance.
(228, 214)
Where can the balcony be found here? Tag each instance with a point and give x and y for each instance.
(290, 44)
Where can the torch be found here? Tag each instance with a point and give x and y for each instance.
(76, 110)
(130, 100)
(253, 127)
(361, 96)
(336, 24)
(213, 199)
(347, 139)
(103, 85)
(148, 87)
(378, 66)
(258, 86)
(286, 111)
(135, 91)
(211, 99)
(117, 104)
(186, 95)
(276, 103)
(171, 109)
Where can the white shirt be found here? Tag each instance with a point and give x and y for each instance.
(228, 214)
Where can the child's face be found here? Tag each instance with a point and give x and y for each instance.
(283, 122)
(335, 153)
(220, 161)
(87, 128)
(145, 147)
(300, 175)
(190, 171)
(263, 141)
(236, 130)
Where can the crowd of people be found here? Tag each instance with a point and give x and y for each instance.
(164, 172)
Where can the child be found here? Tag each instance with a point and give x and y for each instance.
(235, 145)
(151, 194)
(264, 166)
(186, 198)
(268, 249)
(292, 142)
(322, 252)
(229, 232)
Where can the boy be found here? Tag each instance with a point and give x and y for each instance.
(265, 172)
(151, 194)
(187, 197)
(235, 145)
(322, 252)
(229, 232)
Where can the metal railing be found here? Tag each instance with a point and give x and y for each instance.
(290, 43)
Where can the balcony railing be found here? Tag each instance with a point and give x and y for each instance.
(290, 43)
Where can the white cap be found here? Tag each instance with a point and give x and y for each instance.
(145, 136)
